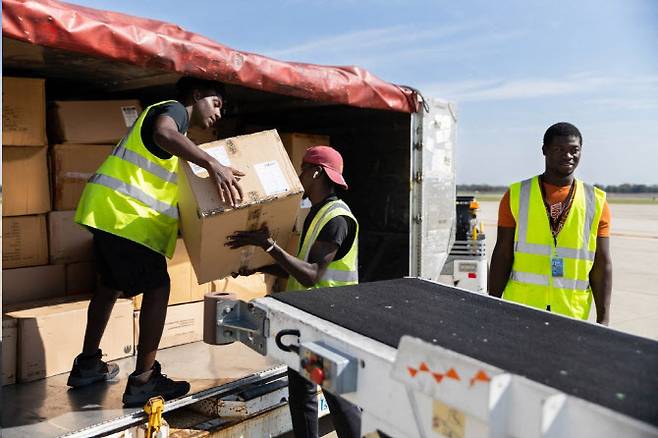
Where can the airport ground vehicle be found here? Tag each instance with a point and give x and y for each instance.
(398, 146)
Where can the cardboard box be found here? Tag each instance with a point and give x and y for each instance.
(246, 288)
(9, 344)
(184, 286)
(25, 181)
(72, 166)
(304, 210)
(22, 285)
(23, 112)
(272, 194)
(81, 278)
(183, 325)
(91, 121)
(68, 242)
(50, 335)
(292, 248)
(24, 241)
(297, 143)
(200, 136)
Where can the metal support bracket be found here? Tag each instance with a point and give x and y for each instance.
(242, 322)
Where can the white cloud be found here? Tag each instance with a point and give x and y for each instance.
(531, 88)
(385, 41)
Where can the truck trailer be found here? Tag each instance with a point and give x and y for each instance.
(398, 148)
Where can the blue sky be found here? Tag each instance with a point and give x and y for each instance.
(512, 67)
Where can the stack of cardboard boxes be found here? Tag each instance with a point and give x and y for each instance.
(48, 270)
(48, 260)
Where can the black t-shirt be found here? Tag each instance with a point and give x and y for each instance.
(340, 230)
(176, 111)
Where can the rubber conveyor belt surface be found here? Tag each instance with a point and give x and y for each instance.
(607, 367)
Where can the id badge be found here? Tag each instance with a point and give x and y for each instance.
(557, 266)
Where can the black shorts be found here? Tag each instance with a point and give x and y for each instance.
(128, 266)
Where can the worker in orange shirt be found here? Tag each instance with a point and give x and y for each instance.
(552, 250)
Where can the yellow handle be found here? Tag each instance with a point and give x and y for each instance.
(154, 408)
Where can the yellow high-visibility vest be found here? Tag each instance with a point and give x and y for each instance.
(134, 194)
(531, 281)
(342, 272)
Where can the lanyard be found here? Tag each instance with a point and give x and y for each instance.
(554, 224)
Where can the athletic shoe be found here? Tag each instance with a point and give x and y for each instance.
(158, 384)
(91, 369)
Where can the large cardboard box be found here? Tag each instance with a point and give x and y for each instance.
(183, 325)
(24, 241)
(9, 344)
(184, 286)
(91, 121)
(272, 195)
(50, 335)
(22, 285)
(200, 135)
(81, 278)
(25, 181)
(72, 166)
(68, 242)
(23, 112)
(296, 144)
(246, 288)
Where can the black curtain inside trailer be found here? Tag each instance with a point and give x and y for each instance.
(375, 144)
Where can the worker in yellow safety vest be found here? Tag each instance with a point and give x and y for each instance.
(326, 257)
(130, 206)
(552, 250)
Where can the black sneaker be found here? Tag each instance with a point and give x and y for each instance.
(158, 384)
(91, 369)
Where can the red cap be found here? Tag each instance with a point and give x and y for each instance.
(330, 160)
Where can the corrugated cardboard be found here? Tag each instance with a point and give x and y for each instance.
(22, 285)
(183, 325)
(91, 121)
(24, 241)
(72, 166)
(292, 248)
(23, 112)
(25, 181)
(246, 288)
(297, 143)
(200, 136)
(272, 194)
(80, 278)
(184, 286)
(68, 242)
(50, 335)
(9, 344)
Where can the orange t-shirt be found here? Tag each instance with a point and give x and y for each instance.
(556, 195)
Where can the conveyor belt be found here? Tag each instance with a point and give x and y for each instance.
(607, 367)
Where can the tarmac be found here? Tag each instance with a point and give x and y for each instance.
(634, 248)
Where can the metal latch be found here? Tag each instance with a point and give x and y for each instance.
(236, 320)
(154, 408)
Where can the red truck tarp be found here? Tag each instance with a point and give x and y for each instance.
(156, 44)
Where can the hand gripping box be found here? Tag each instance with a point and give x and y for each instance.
(272, 194)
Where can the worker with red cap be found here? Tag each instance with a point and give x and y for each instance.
(326, 257)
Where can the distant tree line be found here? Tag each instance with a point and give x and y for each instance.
(621, 188)
(629, 188)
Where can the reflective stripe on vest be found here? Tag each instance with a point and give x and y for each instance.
(134, 194)
(144, 163)
(531, 281)
(340, 272)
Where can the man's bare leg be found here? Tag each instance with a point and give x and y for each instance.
(151, 324)
(98, 314)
